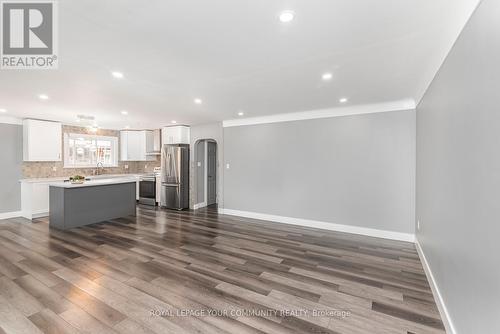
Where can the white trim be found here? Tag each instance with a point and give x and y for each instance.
(13, 214)
(205, 174)
(34, 215)
(401, 105)
(10, 120)
(443, 311)
(199, 205)
(40, 214)
(323, 225)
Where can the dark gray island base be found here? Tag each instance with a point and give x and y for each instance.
(79, 205)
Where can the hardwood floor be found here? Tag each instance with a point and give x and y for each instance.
(186, 272)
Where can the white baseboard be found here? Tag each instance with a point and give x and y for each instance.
(33, 215)
(323, 225)
(7, 215)
(40, 214)
(443, 311)
(200, 205)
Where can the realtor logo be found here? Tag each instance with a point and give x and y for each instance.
(29, 39)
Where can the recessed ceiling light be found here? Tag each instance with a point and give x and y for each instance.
(124, 112)
(198, 101)
(117, 75)
(286, 16)
(43, 97)
(2, 110)
(327, 76)
(241, 113)
(343, 100)
(173, 122)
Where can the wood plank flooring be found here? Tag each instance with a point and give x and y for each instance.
(200, 272)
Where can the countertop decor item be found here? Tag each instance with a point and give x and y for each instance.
(77, 179)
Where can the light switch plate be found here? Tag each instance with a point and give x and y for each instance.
(227, 166)
(199, 163)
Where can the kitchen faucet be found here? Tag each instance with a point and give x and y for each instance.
(96, 171)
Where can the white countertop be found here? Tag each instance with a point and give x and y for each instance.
(62, 178)
(96, 182)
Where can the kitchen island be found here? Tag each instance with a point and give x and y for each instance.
(74, 205)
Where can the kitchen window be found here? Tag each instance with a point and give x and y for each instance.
(83, 151)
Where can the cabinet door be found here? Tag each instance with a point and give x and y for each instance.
(158, 189)
(167, 136)
(124, 146)
(42, 140)
(142, 143)
(137, 146)
(134, 145)
(184, 135)
(40, 198)
(150, 141)
(150, 145)
(176, 135)
(132, 148)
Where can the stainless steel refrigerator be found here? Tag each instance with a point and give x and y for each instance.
(175, 176)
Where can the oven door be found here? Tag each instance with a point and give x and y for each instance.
(147, 192)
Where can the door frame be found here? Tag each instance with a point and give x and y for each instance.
(205, 173)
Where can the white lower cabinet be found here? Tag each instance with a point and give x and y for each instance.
(34, 199)
(137, 192)
(158, 189)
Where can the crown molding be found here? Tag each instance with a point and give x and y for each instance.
(400, 105)
(10, 120)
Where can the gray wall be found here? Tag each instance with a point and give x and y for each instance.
(11, 148)
(353, 170)
(200, 171)
(458, 175)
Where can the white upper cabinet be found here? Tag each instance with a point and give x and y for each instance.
(175, 135)
(42, 140)
(134, 145)
(153, 142)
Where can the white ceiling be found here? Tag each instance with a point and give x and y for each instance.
(235, 55)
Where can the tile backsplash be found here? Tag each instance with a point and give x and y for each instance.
(56, 168)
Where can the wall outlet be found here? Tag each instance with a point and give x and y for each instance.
(54, 169)
(199, 163)
(145, 166)
(126, 166)
(418, 225)
(227, 166)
